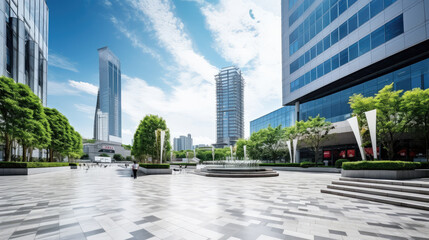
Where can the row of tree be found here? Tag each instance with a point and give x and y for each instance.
(398, 113)
(205, 155)
(271, 143)
(25, 122)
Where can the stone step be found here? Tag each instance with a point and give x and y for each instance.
(388, 182)
(397, 188)
(387, 193)
(272, 174)
(380, 199)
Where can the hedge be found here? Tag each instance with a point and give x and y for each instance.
(156, 166)
(32, 164)
(280, 164)
(73, 164)
(184, 164)
(339, 162)
(381, 165)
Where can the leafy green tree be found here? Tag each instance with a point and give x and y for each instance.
(126, 146)
(76, 146)
(104, 155)
(240, 147)
(145, 143)
(61, 137)
(392, 121)
(415, 105)
(118, 157)
(267, 144)
(315, 131)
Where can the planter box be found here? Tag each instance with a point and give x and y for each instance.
(310, 169)
(30, 171)
(152, 171)
(385, 174)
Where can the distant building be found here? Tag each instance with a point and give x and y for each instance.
(182, 143)
(103, 147)
(108, 98)
(229, 106)
(201, 146)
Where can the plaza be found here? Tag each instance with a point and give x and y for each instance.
(106, 203)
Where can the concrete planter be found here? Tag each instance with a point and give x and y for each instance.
(385, 174)
(30, 171)
(73, 167)
(310, 169)
(153, 171)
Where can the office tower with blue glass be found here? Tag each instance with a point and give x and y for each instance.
(229, 106)
(332, 49)
(107, 121)
(24, 44)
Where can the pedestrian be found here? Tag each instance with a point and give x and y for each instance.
(135, 167)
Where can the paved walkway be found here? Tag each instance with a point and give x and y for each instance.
(106, 203)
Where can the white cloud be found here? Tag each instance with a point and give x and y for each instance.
(85, 108)
(134, 39)
(60, 89)
(59, 61)
(107, 3)
(84, 87)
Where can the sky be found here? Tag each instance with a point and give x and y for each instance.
(169, 53)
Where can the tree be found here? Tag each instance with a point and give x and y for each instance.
(145, 140)
(118, 157)
(76, 146)
(315, 131)
(294, 132)
(267, 144)
(415, 105)
(61, 137)
(240, 147)
(392, 121)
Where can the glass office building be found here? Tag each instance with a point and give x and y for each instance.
(109, 98)
(333, 49)
(229, 106)
(24, 41)
(283, 116)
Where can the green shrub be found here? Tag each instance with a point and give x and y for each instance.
(157, 166)
(32, 164)
(308, 164)
(280, 164)
(339, 162)
(184, 164)
(380, 165)
(424, 165)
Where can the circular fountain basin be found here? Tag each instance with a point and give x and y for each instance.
(238, 172)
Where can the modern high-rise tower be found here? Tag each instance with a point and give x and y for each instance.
(107, 121)
(229, 106)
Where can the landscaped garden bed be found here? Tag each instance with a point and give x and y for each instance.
(395, 170)
(30, 168)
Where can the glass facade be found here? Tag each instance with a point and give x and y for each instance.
(383, 34)
(335, 107)
(109, 96)
(229, 106)
(283, 116)
(341, 32)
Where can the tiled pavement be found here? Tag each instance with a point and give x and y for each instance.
(108, 204)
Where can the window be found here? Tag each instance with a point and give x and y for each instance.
(307, 57)
(313, 52)
(318, 26)
(319, 11)
(326, 6)
(375, 7)
(326, 20)
(394, 28)
(334, 37)
(344, 57)
(352, 23)
(342, 6)
(363, 15)
(343, 30)
(313, 74)
(327, 66)
(312, 30)
(307, 78)
(326, 42)
(335, 62)
(334, 12)
(351, 2)
(353, 51)
(319, 47)
(320, 70)
(364, 45)
(377, 37)
(388, 3)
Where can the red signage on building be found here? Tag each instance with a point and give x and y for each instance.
(351, 153)
(108, 147)
(343, 154)
(326, 154)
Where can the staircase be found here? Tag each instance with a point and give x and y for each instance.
(412, 194)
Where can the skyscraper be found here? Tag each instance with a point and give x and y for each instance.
(332, 49)
(108, 98)
(182, 143)
(24, 42)
(229, 106)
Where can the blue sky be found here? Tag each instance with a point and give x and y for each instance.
(169, 53)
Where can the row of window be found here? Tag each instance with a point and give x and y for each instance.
(282, 116)
(357, 20)
(292, 3)
(37, 12)
(300, 10)
(319, 19)
(381, 35)
(335, 107)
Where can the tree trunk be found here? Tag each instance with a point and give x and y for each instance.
(7, 148)
(30, 154)
(51, 155)
(316, 154)
(24, 153)
(391, 151)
